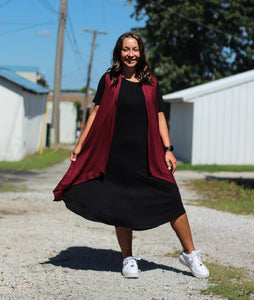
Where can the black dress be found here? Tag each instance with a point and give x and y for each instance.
(127, 195)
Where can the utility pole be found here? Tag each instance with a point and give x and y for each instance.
(94, 32)
(54, 132)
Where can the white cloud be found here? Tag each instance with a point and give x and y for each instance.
(44, 32)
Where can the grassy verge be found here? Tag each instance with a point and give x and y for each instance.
(10, 187)
(226, 281)
(37, 161)
(229, 282)
(215, 168)
(235, 196)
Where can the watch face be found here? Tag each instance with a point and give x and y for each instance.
(170, 148)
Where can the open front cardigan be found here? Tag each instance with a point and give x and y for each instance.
(92, 160)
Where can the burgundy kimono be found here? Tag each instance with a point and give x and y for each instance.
(92, 160)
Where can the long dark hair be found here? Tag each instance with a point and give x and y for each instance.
(142, 69)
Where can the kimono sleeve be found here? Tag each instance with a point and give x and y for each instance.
(161, 105)
(100, 91)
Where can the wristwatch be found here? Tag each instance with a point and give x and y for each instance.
(169, 148)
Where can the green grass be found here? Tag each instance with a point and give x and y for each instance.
(235, 196)
(226, 281)
(174, 254)
(10, 187)
(229, 282)
(215, 168)
(37, 161)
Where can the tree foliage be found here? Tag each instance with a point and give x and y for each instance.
(190, 42)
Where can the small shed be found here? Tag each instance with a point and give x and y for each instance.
(22, 115)
(70, 114)
(213, 123)
(29, 72)
(67, 121)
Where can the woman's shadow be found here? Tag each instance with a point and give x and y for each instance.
(86, 258)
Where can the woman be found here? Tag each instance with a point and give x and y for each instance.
(122, 166)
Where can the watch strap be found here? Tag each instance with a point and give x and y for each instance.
(169, 148)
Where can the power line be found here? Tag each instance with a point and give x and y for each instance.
(23, 23)
(73, 35)
(27, 27)
(76, 56)
(48, 6)
(74, 45)
(6, 2)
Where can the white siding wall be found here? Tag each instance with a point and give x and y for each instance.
(33, 122)
(224, 126)
(68, 124)
(11, 120)
(22, 116)
(181, 126)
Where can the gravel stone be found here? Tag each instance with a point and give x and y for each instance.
(47, 252)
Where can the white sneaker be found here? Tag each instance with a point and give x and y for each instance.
(130, 267)
(194, 262)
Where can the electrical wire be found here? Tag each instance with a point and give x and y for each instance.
(6, 2)
(48, 6)
(27, 27)
(75, 53)
(74, 45)
(73, 36)
(69, 30)
(19, 23)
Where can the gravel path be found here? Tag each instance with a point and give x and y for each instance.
(47, 252)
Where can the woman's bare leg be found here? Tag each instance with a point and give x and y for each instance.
(182, 229)
(124, 237)
(180, 225)
(189, 258)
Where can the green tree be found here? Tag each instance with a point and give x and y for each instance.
(77, 104)
(190, 42)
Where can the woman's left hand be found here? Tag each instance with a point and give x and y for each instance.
(170, 160)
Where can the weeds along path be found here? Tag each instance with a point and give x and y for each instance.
(47, 252)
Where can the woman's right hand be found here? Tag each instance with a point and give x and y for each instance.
(75, 152)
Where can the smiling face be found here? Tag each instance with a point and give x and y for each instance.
(130, 53)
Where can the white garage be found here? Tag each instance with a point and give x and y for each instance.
(213, 123)
(22, 115)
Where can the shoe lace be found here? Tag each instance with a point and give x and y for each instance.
(196, 258)
(129, 259)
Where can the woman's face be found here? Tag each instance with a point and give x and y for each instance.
(130, 53)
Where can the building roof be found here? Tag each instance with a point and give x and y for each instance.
(21, 68)
(190, 94)
(21, 81)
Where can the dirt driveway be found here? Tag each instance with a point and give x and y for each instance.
(47, 252)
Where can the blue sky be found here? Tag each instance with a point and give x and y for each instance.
(28, 36)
